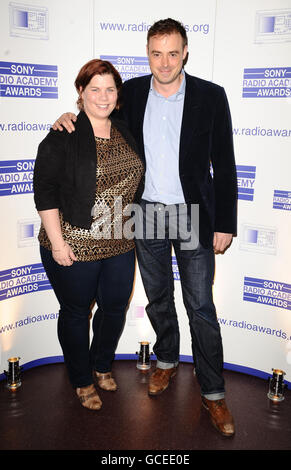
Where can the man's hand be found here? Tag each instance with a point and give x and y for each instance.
(65, 120)
(221, 241)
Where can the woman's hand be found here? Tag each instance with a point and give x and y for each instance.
(64, 255)
(61, 251)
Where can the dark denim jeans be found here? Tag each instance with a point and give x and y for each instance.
(109, 282)
(196, 269)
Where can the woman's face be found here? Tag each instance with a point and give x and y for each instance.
(100, 96)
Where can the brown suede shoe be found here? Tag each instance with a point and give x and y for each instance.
(160, 379)
(220, 416)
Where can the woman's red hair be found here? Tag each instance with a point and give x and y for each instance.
(97, 67)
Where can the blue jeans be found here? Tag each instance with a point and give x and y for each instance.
(196, 269)
(109, 282)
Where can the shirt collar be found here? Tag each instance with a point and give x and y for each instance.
(176, 96)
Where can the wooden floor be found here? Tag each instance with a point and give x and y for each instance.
(44, 415)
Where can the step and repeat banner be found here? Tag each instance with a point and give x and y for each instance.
(244, 46)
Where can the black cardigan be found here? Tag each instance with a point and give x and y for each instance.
(65, 171)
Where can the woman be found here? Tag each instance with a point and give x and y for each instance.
(78, 180)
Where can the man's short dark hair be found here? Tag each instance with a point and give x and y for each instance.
(168, 26)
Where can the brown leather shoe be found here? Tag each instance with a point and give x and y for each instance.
(160, 379)
(220, 416)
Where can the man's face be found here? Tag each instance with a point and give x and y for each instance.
(166, 54)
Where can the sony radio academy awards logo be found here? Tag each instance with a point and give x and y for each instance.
(16, 177)
(23, 80)
(23, 280)
(282, 200)
(268, 292)
(267, 82)
(175, 269)
(129, 66)
(246, 176)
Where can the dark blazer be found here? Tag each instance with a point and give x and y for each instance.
(206, 138)
(65, 171)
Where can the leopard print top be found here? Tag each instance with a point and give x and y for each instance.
(119, 171)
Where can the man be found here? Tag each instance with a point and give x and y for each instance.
(182, 126)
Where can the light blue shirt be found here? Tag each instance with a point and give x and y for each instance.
(161, 131)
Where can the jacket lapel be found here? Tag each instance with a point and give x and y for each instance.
(193, 121)
(141, 100)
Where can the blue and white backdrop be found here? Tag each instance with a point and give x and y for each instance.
(243, 45)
